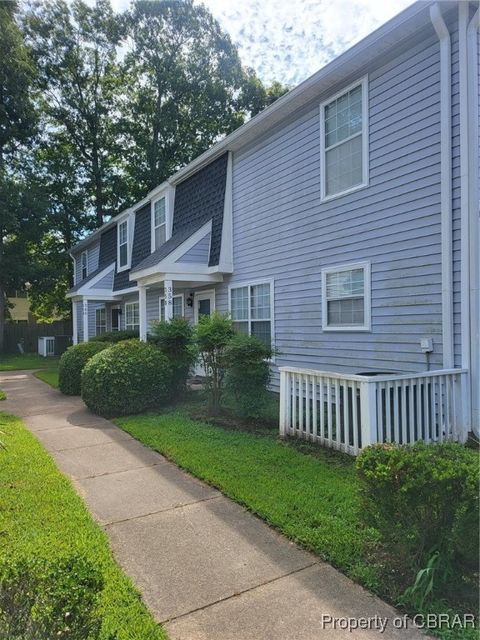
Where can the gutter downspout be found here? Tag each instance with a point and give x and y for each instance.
(446, 182)
(463, 13)
(474, 223)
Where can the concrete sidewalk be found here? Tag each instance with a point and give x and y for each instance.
(206, 568)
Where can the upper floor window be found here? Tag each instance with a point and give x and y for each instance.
(251, 309)
(122, 232)
(159, 222)
(84, 265)
(346, 298)
(344, 141)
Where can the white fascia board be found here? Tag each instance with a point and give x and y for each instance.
(158, 278)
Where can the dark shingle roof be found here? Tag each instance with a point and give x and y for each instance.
(169, 246)
(198, 199)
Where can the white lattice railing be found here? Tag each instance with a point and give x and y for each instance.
(348, 412)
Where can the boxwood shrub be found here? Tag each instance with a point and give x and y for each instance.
(424, 502)
(127, 378)
(115, 336)
(72, 363)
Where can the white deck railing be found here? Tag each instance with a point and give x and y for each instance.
(349, 412)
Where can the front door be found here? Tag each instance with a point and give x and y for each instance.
(115, 319)
(204, 305)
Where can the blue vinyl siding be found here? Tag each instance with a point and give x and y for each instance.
(283, 231)
(199, 253)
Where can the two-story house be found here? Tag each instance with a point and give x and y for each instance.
(341, 223)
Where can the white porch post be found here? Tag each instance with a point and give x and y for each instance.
(142, 312)
(85, 319)
(168, 284)
(74, 322)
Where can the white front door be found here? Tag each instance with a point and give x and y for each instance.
(203, 305)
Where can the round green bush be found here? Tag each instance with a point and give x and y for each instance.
(126, 378)
(72, 363)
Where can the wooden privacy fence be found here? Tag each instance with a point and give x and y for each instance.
(349, 412)
(28, 334)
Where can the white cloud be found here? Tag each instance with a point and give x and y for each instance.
(288, 40)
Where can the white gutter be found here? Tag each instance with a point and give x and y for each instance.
(474, 223)
(445, 182)
(463, 13)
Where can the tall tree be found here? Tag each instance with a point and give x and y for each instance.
(17, 126)
(184, 87)
(75, 48)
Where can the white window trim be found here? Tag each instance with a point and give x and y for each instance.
(125, 267)
(84, 253)
(363, 82)
(178, 295)
(96, 324)
(132, 327)
(168, 226)
(367, 296)
(252, 283)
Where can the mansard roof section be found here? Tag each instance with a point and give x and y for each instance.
(198, 200)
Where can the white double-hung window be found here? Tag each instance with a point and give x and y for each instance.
(159, 222)
(100, 320)
(346, 298)
(251, 308)
(122, 247)
(132, 316)
(344, 141)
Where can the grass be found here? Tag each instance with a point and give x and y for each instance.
(312, 500)
(3, 395)
(42, 516)
(13, 361)
(50, 376)
(306, 492)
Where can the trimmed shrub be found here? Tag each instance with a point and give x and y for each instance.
(248, 375)
(127, 378)
(72, 363)
(174, 339)
(115, 336)
(41, 599)
(212, 334)
(424, 501)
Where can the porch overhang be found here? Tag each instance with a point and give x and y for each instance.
(193, 276)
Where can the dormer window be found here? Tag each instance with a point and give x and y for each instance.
(84, 265)
(159, 222)
(122, 250)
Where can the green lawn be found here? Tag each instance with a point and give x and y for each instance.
(3, 395)
(50, 376)
(41, 516)
(311, 499)
(13, 361)
(306, 492)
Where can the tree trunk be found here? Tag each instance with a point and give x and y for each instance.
(2, 317)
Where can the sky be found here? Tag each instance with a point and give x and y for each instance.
(288, 40)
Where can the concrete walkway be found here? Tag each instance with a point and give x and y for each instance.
(207, 568)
